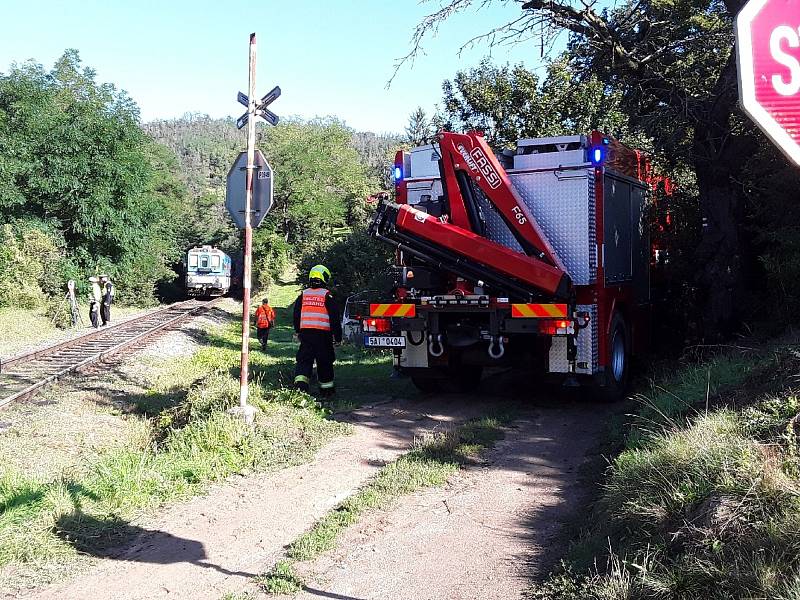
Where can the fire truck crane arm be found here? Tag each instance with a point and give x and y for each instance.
(469, 155)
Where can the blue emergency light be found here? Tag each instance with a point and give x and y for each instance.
(598, 154)
(398, 173)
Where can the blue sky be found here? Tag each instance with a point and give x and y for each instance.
(329, 57)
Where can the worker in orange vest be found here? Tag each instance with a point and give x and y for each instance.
(318, 327)
(265, 319)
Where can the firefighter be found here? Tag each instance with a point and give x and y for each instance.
(107, 291)
(265, 319)
(318, 327)
(95, 296)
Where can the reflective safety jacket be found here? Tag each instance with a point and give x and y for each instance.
(315, 310)
(265, 316)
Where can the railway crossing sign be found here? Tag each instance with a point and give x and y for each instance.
(236, 190)
(768, 58)
(261, 108)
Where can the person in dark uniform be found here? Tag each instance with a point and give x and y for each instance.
(318, 327)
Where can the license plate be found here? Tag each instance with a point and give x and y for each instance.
(385, 341)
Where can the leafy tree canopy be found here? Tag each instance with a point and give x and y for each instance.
(72, 154)
(510, 102)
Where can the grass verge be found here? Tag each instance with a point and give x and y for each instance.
(704, 499)
(186, 441)
(429, 464)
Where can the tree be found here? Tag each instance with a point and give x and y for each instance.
(418, 130)
(319, 177)
(73, 157)
(377, 153)
(509, 103)
(674, 64)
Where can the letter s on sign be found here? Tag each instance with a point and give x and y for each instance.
(780, 33)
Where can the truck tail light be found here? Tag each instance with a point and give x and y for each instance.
(377, 325)
(399, 172)
(556, 327)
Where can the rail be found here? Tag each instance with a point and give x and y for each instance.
(23, 375)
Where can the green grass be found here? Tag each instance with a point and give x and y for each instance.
(429, 464)
(237, 596)
(688, 391)
(704, 501)
(281, 579)
(190, 442)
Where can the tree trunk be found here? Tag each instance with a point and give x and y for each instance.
(718, 156)
(718, 254)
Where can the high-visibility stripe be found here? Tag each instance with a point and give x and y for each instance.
(325, 385)
(301, 379)
(393, 310)
(313, 314)
(538, 311)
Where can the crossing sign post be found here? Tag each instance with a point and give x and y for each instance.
(767, 41)
(248, 198)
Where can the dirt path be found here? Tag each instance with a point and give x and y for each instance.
(214, 544)
(484, 535)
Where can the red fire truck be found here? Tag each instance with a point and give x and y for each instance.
(536, 257)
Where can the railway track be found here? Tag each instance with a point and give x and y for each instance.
(23, 375)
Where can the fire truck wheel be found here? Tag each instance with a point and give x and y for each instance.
(615, 378)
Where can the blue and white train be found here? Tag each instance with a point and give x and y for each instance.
(208, 271)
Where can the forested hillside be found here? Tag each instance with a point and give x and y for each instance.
(324, 173)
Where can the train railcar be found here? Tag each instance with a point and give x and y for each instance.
(208, 271)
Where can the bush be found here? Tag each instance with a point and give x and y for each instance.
(358, 262)
(270, 258)
(32, 264)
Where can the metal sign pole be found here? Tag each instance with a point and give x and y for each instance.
(248, 411)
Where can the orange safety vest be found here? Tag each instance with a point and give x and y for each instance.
(313, 314)
(264, 316)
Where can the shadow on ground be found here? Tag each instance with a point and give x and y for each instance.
(117, 539)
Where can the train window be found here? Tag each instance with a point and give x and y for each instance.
(193, 260)
(204, 262)
(215, 261)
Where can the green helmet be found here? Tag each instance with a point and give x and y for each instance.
(321, 273)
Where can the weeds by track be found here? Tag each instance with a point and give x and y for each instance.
(22, 376)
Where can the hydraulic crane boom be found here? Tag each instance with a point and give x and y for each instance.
(466, 157)
(469, 167)
(458, 250)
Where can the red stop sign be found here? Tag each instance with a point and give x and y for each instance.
(768, 57)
